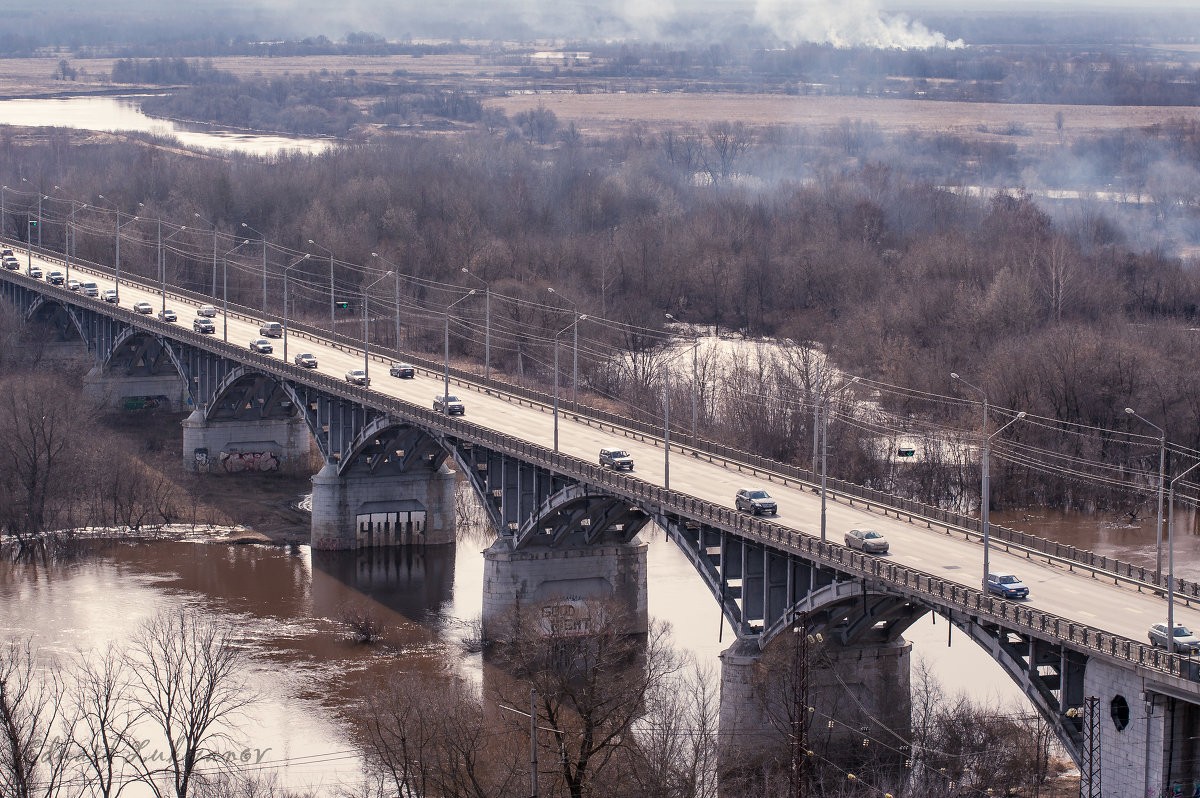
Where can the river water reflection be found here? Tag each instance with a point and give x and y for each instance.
(123, 113)
(285, 603)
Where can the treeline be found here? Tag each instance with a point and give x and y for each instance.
(777, 233)
(313, 104)
(167, 72)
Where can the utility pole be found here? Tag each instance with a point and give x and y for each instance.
(800, 666)
(533, 765)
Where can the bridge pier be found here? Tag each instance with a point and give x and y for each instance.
(245, 445)
(363, 510)
(516, 578)
(134, 391)
(1148, 738)
(862, 689)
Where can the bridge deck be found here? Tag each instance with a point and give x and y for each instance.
(1098, 602)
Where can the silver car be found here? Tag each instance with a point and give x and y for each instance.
(867, 540)
(262, 346)
(1185, 641)
(450, 405)
(755, 502)
(357, 377)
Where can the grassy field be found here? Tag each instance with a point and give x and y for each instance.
(613, 112)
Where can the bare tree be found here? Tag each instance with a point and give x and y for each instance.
(187, 679)
(676, 754)
(592, 681)
(33, 751)
(105, 717)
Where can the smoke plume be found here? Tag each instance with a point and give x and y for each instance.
(848, 23)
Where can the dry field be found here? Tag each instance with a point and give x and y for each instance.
(608, 113)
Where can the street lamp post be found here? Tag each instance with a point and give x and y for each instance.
(1171, 558)
(825, 446)
(214, 268)
(264, 268)
(366, 337)
(332, 326)
(574, 348)
(556, 337)
(41, 196)
(285, 300)
(985, 468)
(1162, 462)
(162, 260)
(396, 271)
(446, 383)
(695, 376)
(225, 289)
(487, 324)
(117, 268)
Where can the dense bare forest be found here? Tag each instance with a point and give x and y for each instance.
(763, 232)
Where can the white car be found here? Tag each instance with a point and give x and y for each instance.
(110, 295)
(357, 377)
(1185, 641)
(145, 308)
(73, 284)
(206, 310)
(262, 346)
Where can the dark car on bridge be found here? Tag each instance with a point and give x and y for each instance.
(402, 370)
(262, 346)
(204, 326)
(1007, 586)
(305, 360)
(755, 502)
(55, 278)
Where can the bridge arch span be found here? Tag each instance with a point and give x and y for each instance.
(60, 315)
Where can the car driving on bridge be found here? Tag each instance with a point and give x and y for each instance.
(73, 284)
(755, 502)
(1185, 641)
(204, 326)
(12, 264)
(271, 329)
(450, 405)
(867, 540)
(89, 289)
(144, 308)
(34, 271)
(305, 360)
(262, 346)
(110, 295)
(55, 278)
(207, 310)
(357, 377)
(166, 314)
(402, 370)
(1007, 586)
(616, 459)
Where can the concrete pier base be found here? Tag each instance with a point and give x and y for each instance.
(863, 691)
(235, 447)
(544, 577)
(124, 392)
(1149, 740)
(362, 511)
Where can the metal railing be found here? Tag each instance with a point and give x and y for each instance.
(909, 510)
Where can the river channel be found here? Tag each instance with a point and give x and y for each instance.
(285, 601)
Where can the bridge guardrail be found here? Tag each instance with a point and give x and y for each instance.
(907, 581)
(730, 457)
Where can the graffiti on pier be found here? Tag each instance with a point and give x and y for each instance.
(242, 462)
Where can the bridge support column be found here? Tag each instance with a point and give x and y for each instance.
(364, 511)
(539, 577)
(1148, 739)
(856, 687)
(135, 392)
(232, 447)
